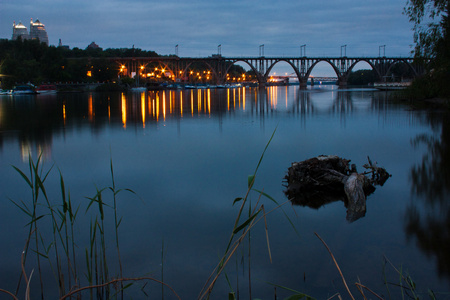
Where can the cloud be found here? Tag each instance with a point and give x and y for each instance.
(198, 26)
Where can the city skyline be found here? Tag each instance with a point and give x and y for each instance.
(240, 27)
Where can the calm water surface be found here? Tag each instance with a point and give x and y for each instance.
(187, 154)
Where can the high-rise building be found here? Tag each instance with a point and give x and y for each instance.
(37, 31)
(20, 30)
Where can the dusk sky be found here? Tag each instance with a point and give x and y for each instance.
(240, 26)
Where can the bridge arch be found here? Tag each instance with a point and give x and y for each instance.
(183, 68)
(402, 61)
(252, 67)
(335, 68)
(166, 67)
(289, 62)
(369, 62)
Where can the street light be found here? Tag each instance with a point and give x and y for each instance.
(303, 50)
(345, 50)
(261, 50)
(176, 50)
(384, 50)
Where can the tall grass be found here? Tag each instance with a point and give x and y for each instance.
(58, 247)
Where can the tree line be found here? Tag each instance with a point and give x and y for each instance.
(29, 61)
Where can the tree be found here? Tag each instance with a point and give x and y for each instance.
(362, 77)
(431, 25)
(432, 37)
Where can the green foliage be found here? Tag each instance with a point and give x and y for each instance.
(30, 61)
(432, 37)
(61, 248)
(362, 77)
(110, 87)
(431, 24)
(127, 81)
(236, 71)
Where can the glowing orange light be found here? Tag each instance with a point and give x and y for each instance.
(209, 101)
(124, 111)
(143, 109)
(64, 113)
(91, 108)
(164, 105)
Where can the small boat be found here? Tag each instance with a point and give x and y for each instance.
(385, 86)
(23, 90)
(46, 89)
(5, 92)
(138, 89)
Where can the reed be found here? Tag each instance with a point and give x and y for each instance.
(56, 244)
(34, 181)
(242, 229)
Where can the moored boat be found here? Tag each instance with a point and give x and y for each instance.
(138, 89)
(391, 85)
(5, 92)
(23, 90)
(46, 89)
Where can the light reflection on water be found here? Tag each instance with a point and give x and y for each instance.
(187, 155)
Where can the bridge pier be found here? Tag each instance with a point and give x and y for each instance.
(342, 82)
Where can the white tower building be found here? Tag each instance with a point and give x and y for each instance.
(37, 31)
(20, 30)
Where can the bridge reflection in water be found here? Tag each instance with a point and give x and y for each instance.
(146, 108)
(34, 121)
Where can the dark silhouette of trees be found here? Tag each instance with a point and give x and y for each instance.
(432, 37)
(29, 61)
(362, 77)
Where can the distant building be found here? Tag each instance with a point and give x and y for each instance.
(37, 32)
(63, 46)
(20, 30)
(93, 45)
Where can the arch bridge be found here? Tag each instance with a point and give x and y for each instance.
(179, 67)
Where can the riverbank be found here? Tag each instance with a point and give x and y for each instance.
(419, 100)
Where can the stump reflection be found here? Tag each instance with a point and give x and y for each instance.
(324, 179)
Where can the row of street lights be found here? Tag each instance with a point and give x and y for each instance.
(302, 50)
(158, 73)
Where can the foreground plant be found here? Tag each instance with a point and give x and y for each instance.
(59, 252)
(242, 229)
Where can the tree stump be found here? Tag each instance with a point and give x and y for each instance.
(327, 178)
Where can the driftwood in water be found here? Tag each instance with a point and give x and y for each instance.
(324, 179)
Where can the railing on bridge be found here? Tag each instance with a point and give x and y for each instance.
(178, 67)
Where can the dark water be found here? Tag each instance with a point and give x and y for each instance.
(187, 155)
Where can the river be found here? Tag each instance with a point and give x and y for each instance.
(187, 154)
